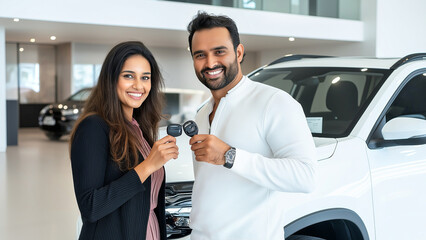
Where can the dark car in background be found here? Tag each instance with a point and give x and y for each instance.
(57, 119)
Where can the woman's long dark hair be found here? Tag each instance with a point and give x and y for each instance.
(104, 102)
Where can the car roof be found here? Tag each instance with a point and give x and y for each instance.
(344, 62)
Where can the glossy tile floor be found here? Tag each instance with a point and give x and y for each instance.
(37, 199)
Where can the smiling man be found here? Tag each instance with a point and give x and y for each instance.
(254, 142)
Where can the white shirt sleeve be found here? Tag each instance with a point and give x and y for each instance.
(292, 167)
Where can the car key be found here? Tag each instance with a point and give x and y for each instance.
(174, 130)
(190, 128)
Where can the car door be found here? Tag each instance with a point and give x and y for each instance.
(398, 167)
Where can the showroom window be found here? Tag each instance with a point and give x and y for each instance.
(344, 9)
(37, 72)
(84, 76)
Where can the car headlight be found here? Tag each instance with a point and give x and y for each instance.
(178, 208)
(67, 112)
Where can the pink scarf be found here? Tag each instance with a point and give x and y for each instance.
(153, 230)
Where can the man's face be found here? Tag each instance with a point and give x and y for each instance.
(215, 62)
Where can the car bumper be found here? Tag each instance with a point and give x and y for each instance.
(62, 126)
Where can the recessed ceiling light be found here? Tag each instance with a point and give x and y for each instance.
(16, 19)
(32, 40)
(53, 38)
(21, 49)
(291, 39)
(364, 69)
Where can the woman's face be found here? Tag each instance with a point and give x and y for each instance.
(134, 83)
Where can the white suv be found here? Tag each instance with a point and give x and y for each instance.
(368, 119)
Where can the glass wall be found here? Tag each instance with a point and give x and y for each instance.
(11, 71)
(37, 72)
(85, 75)
(345, 9)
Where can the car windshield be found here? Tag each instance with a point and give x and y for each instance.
(81, 95)
(333, 99)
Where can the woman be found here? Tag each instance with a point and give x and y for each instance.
(118, 179)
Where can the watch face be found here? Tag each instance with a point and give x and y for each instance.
(229, 157)
(231, 154)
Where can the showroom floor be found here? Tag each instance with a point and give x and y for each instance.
(36, 191)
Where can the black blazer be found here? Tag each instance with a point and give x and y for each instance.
(113, 204)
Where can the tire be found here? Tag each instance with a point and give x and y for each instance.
(54, 136)
(303, 237)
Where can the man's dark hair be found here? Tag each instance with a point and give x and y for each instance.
(204, 20)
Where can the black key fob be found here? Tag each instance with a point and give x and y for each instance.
(190, 128)
(174, 130)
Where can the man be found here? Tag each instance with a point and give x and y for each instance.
(253, 142)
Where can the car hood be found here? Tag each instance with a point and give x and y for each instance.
(325, 147)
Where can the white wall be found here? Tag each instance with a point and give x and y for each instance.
(3, 129)
(63, 70)
(251, 62)
(400, 27)
(84, 53)
(176, 67)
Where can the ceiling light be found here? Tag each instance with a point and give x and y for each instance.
(291, 39)
(32, 40)
(335, 80)
(53, 38)
(21, 49)
(16, 19)
(364, 69)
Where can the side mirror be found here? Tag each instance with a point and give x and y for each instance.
(401, 131)
(404, 128)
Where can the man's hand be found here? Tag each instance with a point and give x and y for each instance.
(209, 148)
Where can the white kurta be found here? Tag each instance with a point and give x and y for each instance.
(275, 153)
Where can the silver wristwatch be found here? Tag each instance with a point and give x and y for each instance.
(230, 157)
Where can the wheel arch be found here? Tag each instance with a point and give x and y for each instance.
(324, 216)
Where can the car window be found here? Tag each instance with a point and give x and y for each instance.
(411, 101)
(81, 95)
(332, 98)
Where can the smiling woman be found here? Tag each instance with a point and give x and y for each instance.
(134, 84)
(117, 165)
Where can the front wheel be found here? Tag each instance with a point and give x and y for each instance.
(53, 136)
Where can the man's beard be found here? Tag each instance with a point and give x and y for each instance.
(228, 76)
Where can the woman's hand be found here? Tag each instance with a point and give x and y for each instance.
(162, 151)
